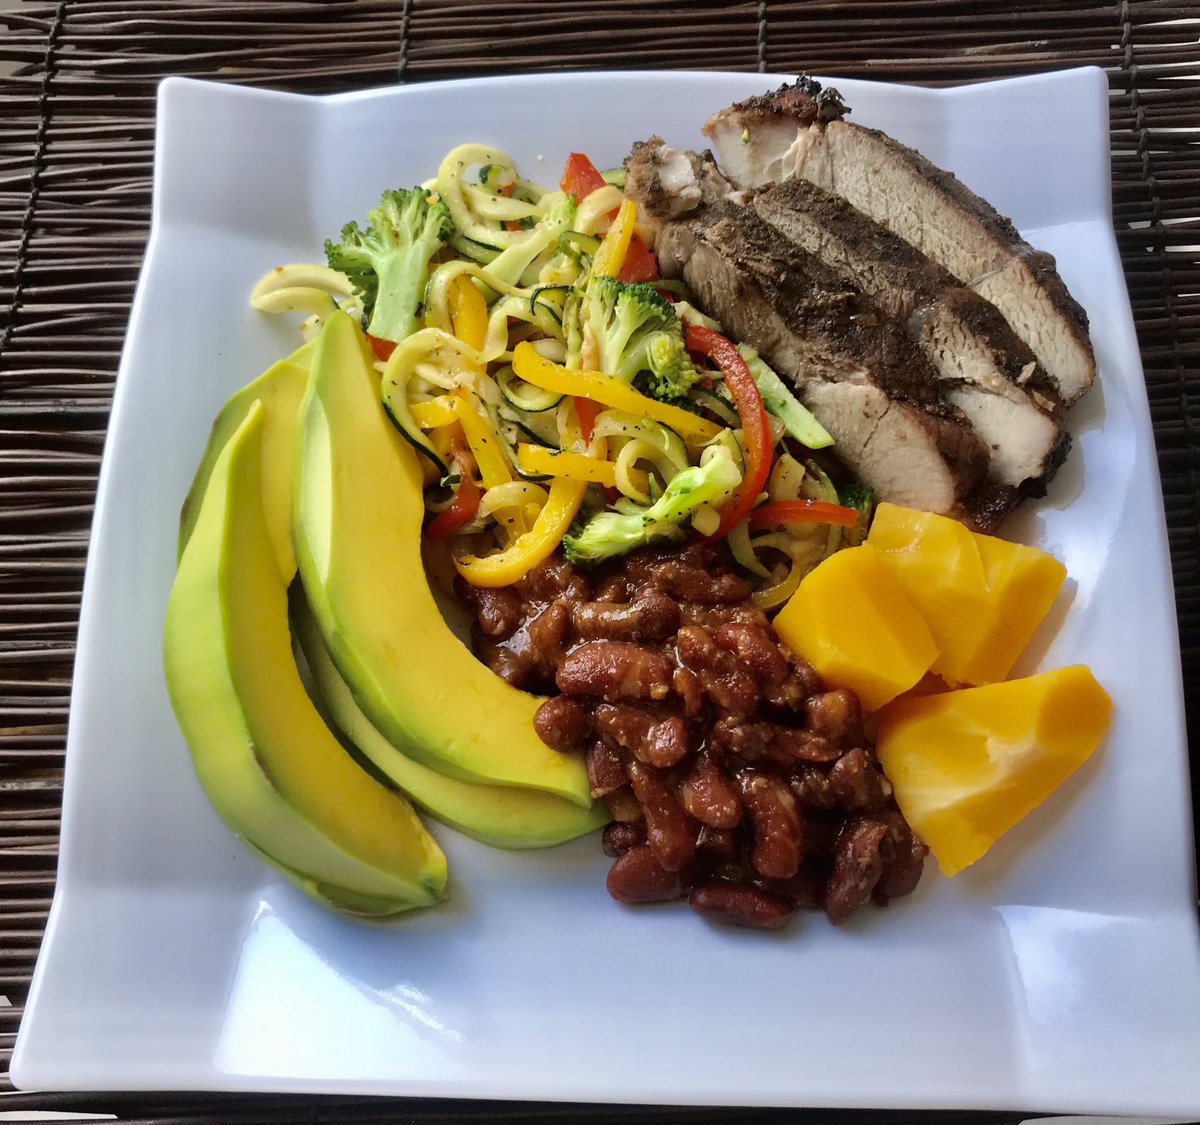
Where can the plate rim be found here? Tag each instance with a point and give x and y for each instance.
(1092, 75)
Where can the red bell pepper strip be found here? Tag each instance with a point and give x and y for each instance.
(640, 263)
(580, 177)
(381, 347)
(466, 498)
(779, 513)
(752, 414)
(587, 411)
(506, 191)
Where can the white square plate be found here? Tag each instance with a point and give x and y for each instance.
(1061, 973)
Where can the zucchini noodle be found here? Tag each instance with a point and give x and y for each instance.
(297, 298)
(505, 209)
(521, 309)
(513, 505)
(787, 478)
(594, 211)
(803, 554)
(310, 327)
(666, 448)
(452, 190)
(743, 551)
(517, 273)
(628, 475)
(528, 305)
(303, 275)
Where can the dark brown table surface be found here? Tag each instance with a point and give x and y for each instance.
(77, 89)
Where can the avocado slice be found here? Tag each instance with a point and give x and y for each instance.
(334, 898)
(357, 533)
(280, 389)
(266, 760)
(496, 815)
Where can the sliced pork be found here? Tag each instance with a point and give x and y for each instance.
(858, 371)
(798, 132)
(670, 182)
(984, 368)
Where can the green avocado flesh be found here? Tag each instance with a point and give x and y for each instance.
(279, 389)
(264, 756)
(500, 816)
(335, 898)
(357, 535)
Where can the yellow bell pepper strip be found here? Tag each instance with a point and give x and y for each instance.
(435, 412)
(535, 546)
(611, 256)
(468, 312)
(606, 389)
(577, 466)
(484, 443)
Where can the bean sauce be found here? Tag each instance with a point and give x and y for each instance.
(736, 780)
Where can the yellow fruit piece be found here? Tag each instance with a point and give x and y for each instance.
(850, 619)
(967, 765)
(981, 597)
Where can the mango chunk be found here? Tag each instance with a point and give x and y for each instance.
(967, 765)
(850, 619)
(981, 597)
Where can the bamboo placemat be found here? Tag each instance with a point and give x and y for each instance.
(76, 137)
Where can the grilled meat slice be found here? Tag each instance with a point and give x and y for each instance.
(858, 371)
(792, 133)
(984, 368)
(670, 182)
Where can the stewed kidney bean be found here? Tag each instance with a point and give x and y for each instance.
(653, 618)
(735, 778)
(615, 670)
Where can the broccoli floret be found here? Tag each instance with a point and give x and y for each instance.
(861, 498)
(636, 331)
(615, 533)
(387, 263)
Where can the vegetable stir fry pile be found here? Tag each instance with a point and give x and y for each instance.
(561, 392)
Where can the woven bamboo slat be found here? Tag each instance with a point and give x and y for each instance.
(76, 144)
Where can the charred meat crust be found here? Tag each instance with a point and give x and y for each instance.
(1041, 263)
(843, 340)
(968, 236)
(981, 365)
(823, 307)
(1013, 358)
(1036, 487)
(898, 276)
(804, 100)
(668, 182)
